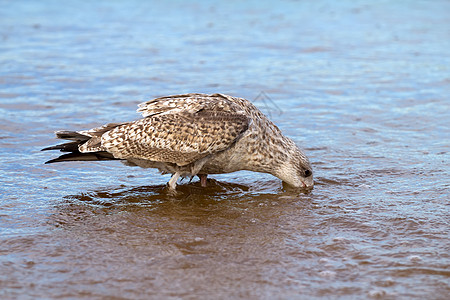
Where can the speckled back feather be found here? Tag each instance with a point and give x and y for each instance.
(179, 138)
(189, 103)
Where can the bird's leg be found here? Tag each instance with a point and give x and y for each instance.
(173, 181)
(202, 179)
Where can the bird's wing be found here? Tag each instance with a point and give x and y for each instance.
(188, 103)
(180, 138)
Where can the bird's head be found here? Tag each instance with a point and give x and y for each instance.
(296, 170)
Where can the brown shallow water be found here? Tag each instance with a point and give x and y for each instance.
(363, 87)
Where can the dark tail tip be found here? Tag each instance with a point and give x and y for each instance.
(77, 156)
(66, 147)
(50, 148)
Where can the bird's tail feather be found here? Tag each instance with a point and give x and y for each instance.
(72, 135)
(66, 147)
(73, 149)
(77, 156)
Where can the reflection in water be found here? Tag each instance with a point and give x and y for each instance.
(151, 195)
(227, 233)
(219, 199)
(192, 193)
(220, 235)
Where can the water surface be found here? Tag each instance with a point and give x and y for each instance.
(361, 86)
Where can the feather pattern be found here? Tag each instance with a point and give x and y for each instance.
(194, 134)
(179, 138)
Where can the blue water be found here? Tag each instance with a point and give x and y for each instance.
(362, 86)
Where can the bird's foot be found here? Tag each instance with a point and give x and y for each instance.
(173, 181)
(203, 178)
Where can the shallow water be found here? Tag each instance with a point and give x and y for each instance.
(363, 87)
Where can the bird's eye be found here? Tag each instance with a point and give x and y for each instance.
(308, 173)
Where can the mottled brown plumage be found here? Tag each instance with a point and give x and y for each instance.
(194, 134)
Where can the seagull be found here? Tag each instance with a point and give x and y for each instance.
(193, 135)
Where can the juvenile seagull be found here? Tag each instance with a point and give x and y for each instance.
(193, 134)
